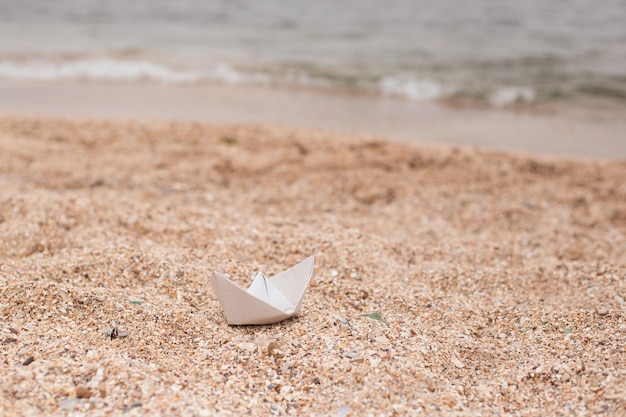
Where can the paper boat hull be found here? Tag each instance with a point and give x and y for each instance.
(241, 307)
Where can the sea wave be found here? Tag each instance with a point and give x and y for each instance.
(104, 69)
(505, 96)
(113, 69)
(123, 70)
(413, 88)
(223, 72)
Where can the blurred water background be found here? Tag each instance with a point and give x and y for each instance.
(497, 52)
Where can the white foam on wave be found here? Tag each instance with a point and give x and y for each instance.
(94, 69)
(225, 73)
(412, 88)
(504, 96)
(118, 70)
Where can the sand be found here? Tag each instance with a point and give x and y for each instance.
(448, 281)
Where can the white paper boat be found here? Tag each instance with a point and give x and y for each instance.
(267, 300)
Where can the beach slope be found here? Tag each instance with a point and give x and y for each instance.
(448, 281)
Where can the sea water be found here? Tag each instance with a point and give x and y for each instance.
(496, 51)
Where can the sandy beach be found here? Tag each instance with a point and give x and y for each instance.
(448, 280)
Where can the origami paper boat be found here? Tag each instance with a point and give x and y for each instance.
(267, 300)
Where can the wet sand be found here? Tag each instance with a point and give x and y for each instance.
(590, 131)
(448, 281)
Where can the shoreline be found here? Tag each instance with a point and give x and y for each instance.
(568, 132)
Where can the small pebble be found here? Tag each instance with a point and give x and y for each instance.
(350, 355)
(28, 361)
(273, 349)
(82, 392)
(111, 332)
(133, 405)
(114, 333)
(457, 362)
(277, 407)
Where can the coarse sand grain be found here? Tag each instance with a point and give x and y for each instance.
(448, 281)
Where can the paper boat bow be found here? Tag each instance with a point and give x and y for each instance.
(267, 300)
